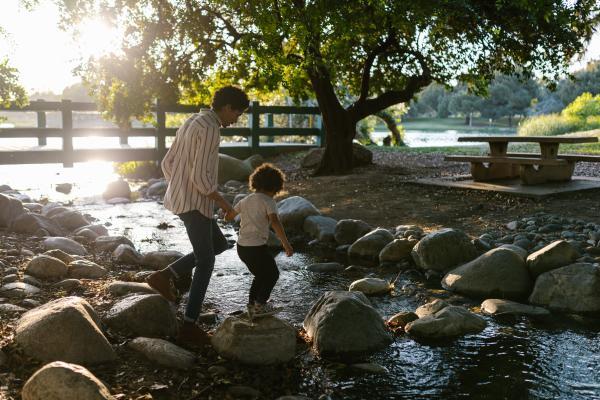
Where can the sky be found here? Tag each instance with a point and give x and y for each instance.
(46, 56)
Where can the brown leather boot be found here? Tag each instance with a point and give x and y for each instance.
(191, 333)
(161, 282)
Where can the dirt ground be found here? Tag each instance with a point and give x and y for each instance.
(382, 195)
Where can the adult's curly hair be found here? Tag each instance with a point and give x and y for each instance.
(267, 178)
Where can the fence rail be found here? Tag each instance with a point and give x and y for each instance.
(68, 155)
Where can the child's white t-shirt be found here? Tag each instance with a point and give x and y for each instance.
(254, 210)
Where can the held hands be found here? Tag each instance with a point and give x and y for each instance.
(230, 215)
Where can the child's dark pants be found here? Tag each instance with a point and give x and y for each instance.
(262, 265)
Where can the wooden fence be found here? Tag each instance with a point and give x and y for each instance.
(67, 155)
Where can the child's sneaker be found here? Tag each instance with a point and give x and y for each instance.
(263, 310)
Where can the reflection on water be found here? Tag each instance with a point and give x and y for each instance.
(512, 358)
(448, 138)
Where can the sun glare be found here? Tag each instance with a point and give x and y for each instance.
(96, 38)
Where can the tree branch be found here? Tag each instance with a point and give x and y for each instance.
(366, 73)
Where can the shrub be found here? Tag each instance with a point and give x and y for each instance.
(138, 169)
(549, 125)
(583, 107)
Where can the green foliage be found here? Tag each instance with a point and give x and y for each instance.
(137, 169)
(583, 107)
(549, 125)
(10, 89)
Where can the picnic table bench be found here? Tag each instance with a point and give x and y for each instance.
(531, 168)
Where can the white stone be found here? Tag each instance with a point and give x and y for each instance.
(371, 286)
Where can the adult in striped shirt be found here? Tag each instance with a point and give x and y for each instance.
(190, 168)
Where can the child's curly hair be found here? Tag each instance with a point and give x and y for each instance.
(267, 178)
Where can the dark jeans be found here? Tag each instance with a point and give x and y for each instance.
(207, 241)
(262, 265)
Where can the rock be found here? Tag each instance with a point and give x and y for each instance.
(64, 188)
(64, 381)
(254, 161)
(5, 188)
(120, 288)
(10, 309)
(273, 241)
(100, 230)
(574, 288)
(33, 207)
(450, 321)
(158, 189)
(267, 340)
(243, 392)
(293, 398)
(66, 329)
(61, 255)
(500, 273)
(147, 315)
(126, 254)
(444, 249)
(55, 209)
(217, 370)
(370, 245)
(46, 267)
(230, 168)
(10, 278)
(345, 324)
(430, 308)
(347, 231)
(68, 284)
(88, 234)
(360, 156)
(10, 209)
(320, 227)
(160, 259)
(512, 226)
(502, 307)
(397, 250)
(519, 250)
(293, 210)
(110, 243)
(556, 254)
(370, 368)
(118, 188)
(118, 200)
(85, 269)
(163, 353)
(67, 245)
(70, 220)
(325, 267)
(371, 286)
(402, 318)
(32, 224)
(18, 290)
(32, 281)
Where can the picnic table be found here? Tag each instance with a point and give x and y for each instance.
(532, 168)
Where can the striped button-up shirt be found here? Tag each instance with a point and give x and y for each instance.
(192, 163)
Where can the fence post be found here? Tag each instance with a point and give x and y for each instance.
(254, 122)
(323, 134)
(67, 127)
(270, 124)
(161, 131)
(41, 124)
(123, 138)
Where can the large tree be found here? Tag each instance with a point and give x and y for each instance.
(378, 52)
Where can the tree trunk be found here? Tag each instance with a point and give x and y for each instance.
(390, 122)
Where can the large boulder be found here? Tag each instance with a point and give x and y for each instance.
(67, 245)
(35, 224)
(230, 168)
(10, 208)
(397, 250)
(158, 189)
(163, 353)
(46, 267)
(160, 259)
(117, 189)
(65, 329)
(110, 243)
(347, 231)
(85, 269)
(293, 210)
(360, 156)
(320, 227)
(444, 249)
(126, 254)
(345, 324)
(557, 254)
(368, 247)
(148, 315)
(574, 289)
(498, 273)
(70, 220)
(63, 381)
(448, 322)
(267, 340)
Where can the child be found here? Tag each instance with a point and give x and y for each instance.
(258, 211)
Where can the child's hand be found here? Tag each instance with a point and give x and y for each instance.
(289, 251)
